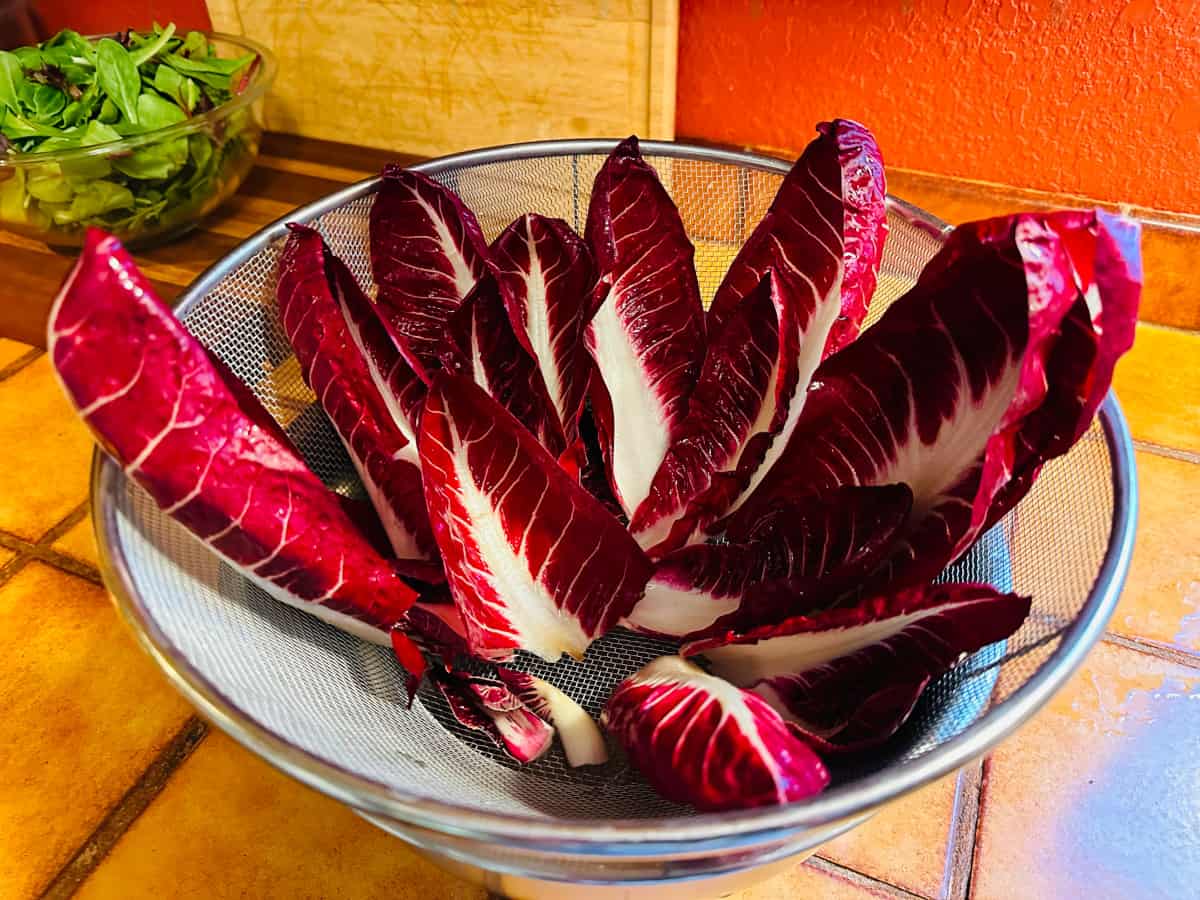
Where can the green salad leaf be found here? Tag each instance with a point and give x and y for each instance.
(118, 76)
(73, 93)
(30, 57)
(151, 45)
(12, 76)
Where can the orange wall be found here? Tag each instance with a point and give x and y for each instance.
(1098, 98)
(117, 15)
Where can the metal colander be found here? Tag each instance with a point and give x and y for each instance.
(330, 709)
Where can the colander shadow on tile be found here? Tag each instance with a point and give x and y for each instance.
(329, 709)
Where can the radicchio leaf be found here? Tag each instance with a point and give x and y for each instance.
(819, 245)
(1112, 290)
(943, 392)
(847, 679)
(741, 400)
(207, 452)
(796, 558)
(1099, 328)
(823, 235)
(427, 252)
(547, 279)
(700, 740)
(583, 744)
(647, 336)
(486, 348)
(321, 308)
(439, 630)
(533, 560)
(488, 706)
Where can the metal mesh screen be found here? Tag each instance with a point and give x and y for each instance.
(342, 700)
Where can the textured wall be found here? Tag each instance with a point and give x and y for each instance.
(116, 15)
(1099, 98)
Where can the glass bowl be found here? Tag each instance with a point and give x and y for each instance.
(208, 157)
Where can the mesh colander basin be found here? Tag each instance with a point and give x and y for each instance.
(329, 710)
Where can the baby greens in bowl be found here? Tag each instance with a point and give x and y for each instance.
(139, 133)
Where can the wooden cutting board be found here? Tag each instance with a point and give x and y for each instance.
(439, 76)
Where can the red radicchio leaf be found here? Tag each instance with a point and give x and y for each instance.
(488, 706)
(533, 560)
(796, 558)
(547, 279)
(944, 391)
(847, 679)
(427, 252)
(439, 630)
(823, 235)
(699, 740)
(485, 348)
(647, 336)
(1112, 289)
(1079, 369)
(317, 299)
(819, 244)
(583, 744)
(742, 396)
(207, 452)
(409, 655)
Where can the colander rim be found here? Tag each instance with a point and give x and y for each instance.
(620, 837)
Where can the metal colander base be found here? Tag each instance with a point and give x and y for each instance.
(328, 702)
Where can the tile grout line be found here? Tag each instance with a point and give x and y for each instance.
(960, 848)
(43, 551)
(858, 879)
(52, 534)
(1139, 644)
(27, 551)
(68, 564)
(69, 521)
(33, 354)
(1155, 649)
(1169, 452)
(13, 566)
(985, 767)
(126, 811)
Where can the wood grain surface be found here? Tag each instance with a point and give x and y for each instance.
(443, 75)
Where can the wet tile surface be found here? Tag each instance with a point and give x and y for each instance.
(1098, 795)
(1161, 601)
(905, 843)
(82, 713)
(229, 825)
(45, 453)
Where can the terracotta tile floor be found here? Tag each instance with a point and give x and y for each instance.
(1097, 794)
(229, 825)
(47, 453)
(82, 713)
